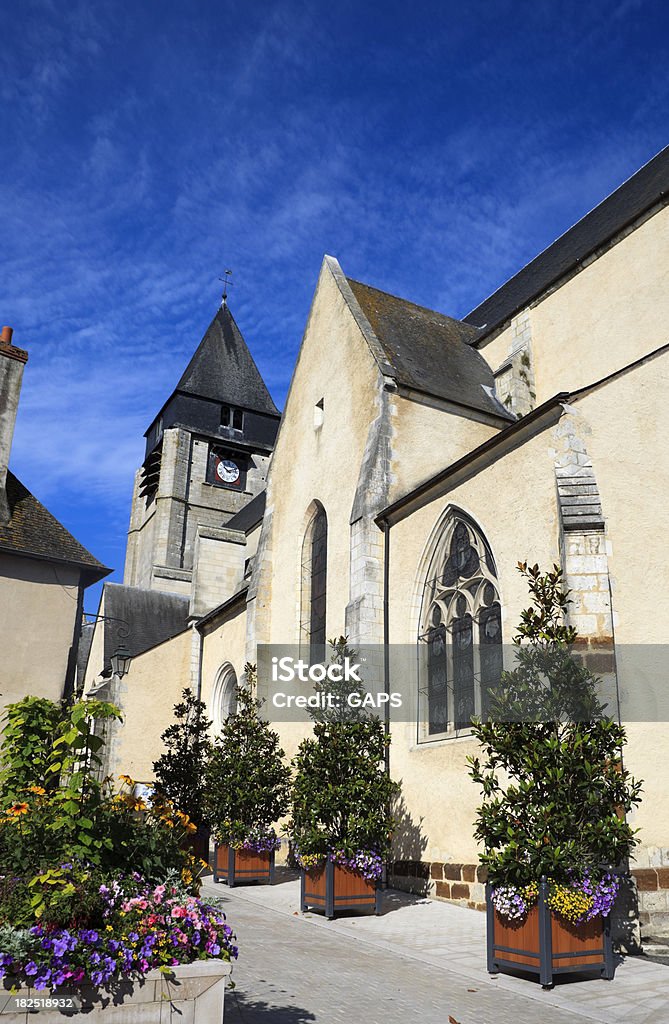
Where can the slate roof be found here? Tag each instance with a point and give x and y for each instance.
(223, 369)
(637, 195)
(250, 515)
(153, 616)
(428, 351)
(34, 532)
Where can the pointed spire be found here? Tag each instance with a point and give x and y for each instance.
(224, 370)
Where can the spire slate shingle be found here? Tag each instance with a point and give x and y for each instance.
(223, 369)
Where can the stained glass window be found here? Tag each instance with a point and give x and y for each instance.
(462, 627)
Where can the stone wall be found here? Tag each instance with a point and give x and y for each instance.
(514, 378)
(463, 884)
(652, 884)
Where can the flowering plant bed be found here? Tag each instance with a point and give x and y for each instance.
(550, 929)
(335, 883)
(75, 919)
(142, 927)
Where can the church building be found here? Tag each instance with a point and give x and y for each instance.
(419, 458)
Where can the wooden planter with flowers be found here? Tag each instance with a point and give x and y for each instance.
(246, 789)
(233, 866)
(544, 943)
(333, 887)
(555, 794)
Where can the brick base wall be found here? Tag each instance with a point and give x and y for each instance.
(463, 884)
(652, 885)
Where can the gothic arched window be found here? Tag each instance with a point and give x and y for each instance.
(313, 597)
(460, 632)
(224, 695)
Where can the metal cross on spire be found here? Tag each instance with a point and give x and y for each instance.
(227, 283)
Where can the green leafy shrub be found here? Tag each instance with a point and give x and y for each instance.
(341, 797)
(30, 728)
(335, 693)
(247, 782)
(180, 770)
(555, 789)
(61, 817)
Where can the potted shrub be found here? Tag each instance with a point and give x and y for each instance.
(180, 770)
(555, 794)
(247, 786)
(341, 824)
(98, 898)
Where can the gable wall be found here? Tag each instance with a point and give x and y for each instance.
(336, 366)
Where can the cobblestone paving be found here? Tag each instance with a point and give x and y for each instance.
(290, 972)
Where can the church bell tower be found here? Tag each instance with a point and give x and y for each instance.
(207, 455)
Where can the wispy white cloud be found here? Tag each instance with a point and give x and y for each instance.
(152, 148)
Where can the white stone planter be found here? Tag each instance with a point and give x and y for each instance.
(193, 995)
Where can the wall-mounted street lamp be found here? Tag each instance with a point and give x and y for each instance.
(120, 661)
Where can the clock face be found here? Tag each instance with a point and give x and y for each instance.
(227, 471)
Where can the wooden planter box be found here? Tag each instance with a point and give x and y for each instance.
(332, 888)
(234, 866)
(193, 992)
(544, 944)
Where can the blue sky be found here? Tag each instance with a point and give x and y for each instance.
(434, 148)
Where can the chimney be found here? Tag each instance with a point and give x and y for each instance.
(12, 361)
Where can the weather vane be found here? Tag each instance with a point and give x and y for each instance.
(227, 283)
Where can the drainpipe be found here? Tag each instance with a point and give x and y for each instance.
(199, 662)
(386, 634)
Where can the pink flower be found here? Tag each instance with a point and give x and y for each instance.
(179, 912)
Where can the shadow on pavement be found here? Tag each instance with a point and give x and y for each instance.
(395, 899)
(241, 1009)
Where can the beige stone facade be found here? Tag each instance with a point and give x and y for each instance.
(538, 428)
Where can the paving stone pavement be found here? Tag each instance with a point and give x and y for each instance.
(421, 960)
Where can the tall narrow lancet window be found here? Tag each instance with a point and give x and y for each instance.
(460, 633)
(313, 600)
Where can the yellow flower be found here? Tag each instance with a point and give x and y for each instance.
(37, 789)
(18, 808)
(127, 780)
